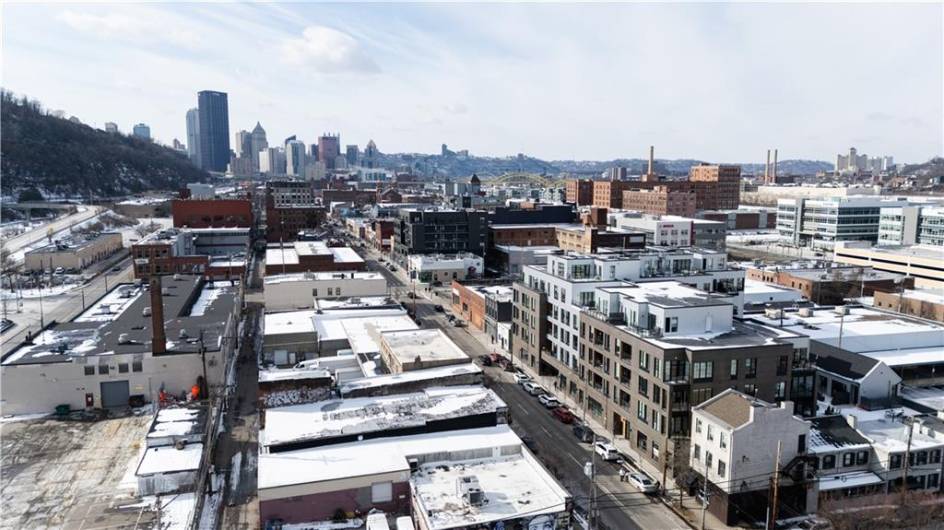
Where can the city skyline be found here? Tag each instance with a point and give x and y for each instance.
(555, 82)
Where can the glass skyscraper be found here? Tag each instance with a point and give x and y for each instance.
(213, 130)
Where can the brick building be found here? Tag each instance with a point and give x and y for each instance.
(291, 208)
(924, 304)
(311, 256)
(661, 200)
(721, 188)
(212, 213)
(609, 193)
(579, 192)
(832, 285)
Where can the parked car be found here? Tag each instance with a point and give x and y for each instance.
(606, 451)
(458, 323)
(583, 433)
(533, 388)
(60, 270)
(411, 294)
(486, 360)
(643, 482)
(521, 378)
(450, 317)
(563, 414)
(439, 308)
(549, 401)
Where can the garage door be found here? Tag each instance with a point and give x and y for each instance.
(115, 394)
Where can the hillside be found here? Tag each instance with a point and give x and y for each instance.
(62, 158)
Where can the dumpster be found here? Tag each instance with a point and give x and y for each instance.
(62, 410)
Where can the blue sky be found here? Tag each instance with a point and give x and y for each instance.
(713, 82)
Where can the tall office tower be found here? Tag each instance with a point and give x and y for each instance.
(193, 136)
(258, 142)
(214, 130)
(142, 131)
(243, 143)
(272, 161)
(295, 159)
(329, 148)
(370, 155)
(111, 127)
(313, 152)
(350, 153)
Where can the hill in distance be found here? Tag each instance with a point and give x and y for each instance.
(62, 158)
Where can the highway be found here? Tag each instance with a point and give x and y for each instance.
(620, 506)
(25, 239)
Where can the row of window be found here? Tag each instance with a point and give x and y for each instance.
(103, 369)
(709, 461)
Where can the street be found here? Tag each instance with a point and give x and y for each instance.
(619, 505)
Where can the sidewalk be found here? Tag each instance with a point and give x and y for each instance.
(691, 510)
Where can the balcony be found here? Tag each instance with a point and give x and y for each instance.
(612, 318)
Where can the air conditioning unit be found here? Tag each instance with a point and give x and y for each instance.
(773, 313)
(468, 489)
(842, 310)
(805, 312)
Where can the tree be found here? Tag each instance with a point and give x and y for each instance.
(31, 195)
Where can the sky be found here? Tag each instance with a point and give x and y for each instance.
(720, 82)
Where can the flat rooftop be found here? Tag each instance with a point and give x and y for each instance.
(115, 323)
(322, 464)
(891, 435)
(756, 289)
(918, 251)
(292, 253)
(430, 345)
(73, 243)
(741, 335)
(890, 337)
(931, 397)
(320, 422)
(426, 374)
(669, 294)
(321, 276)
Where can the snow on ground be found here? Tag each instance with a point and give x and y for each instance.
(45, 292)
(24, 417)
(234, 475)
(129, 481)
(175, 511)
(211, 504)
(325, 525)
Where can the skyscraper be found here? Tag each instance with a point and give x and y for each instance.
(243, 144)
(257, 143)
(142, 131)
(111, 127)
(295, 158)
(329, 148)
(214, 130)
(193, 136)
(350, 153)
(370, 155)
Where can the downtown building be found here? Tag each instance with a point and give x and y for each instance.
(213, 130)
(635, 357)
(825, 222)
(291, 208)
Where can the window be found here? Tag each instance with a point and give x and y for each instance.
(103, 369)
(671, 324)
(697, 425)
(711, 433)
(136, 366)
(643, 386)
(644, 361)
(894, 461)
(122, 368)
(708, 459)
(780, 390)
(935, 456)
(700, 395)
(381, 492)
(702, 371)
(750, 389)
(696, 454)
(921, 458)
(801, 443)
(829, 461)
(848, 459)
(933, 480)
(734, 369)
(722, 440)
(782, 364)
(750, 368)
(641, 440)
(89, 370)
(722, 468)
(642, 411)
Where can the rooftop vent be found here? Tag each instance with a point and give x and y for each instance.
(805, 312)
(469, 490)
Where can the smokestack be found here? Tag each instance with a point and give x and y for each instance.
(158, 337)
(767, 168)
(652, 154)
(775, 166)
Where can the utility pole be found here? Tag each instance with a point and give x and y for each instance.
(206, 382)
(704, 495)
(842, 319)
(904, 476)
(591, 510)
(772, 522)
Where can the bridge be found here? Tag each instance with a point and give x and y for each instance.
(520, 178)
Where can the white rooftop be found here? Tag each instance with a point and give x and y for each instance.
(321, 276)
(344, 417)
(756, 291)
(430, 345)
(292, 374)
(411, 376)
(931, 397)
(849, 480)
(891, 436)
(169, 459)
(341, 461)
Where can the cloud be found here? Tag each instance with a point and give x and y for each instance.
(328, 50)
(142, 28)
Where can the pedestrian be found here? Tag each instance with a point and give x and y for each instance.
(622, 475)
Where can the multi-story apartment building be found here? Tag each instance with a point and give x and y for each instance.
(646, 352)
(579, 192)
(661, 200)
(440, 231)
(609, 193)
(724, 189)
(291, 208)
(823, 222)
(661, 231)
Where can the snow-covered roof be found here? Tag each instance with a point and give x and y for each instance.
(278, 256)
(430, 345)
(169, 459)
(849, 480)
(319, 464)
(292, 374)
(931, 397)
(411, 376)
(321, 276)
(890, 435)
(343, 417)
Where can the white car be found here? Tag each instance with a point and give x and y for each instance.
(521, 378)
(533, 388)
(606, 451)
(643, 482)
(549, 401)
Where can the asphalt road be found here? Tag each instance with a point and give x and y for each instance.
(620, 506)
(27, 238)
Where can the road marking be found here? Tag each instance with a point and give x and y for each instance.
(572, 457)
(543, 428)
(612, 495)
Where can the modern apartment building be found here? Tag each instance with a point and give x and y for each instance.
(823, 222)
(440, 231)
(637, 356)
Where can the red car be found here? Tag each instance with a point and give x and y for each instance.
(563, 414)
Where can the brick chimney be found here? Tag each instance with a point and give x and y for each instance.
(158, 335)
